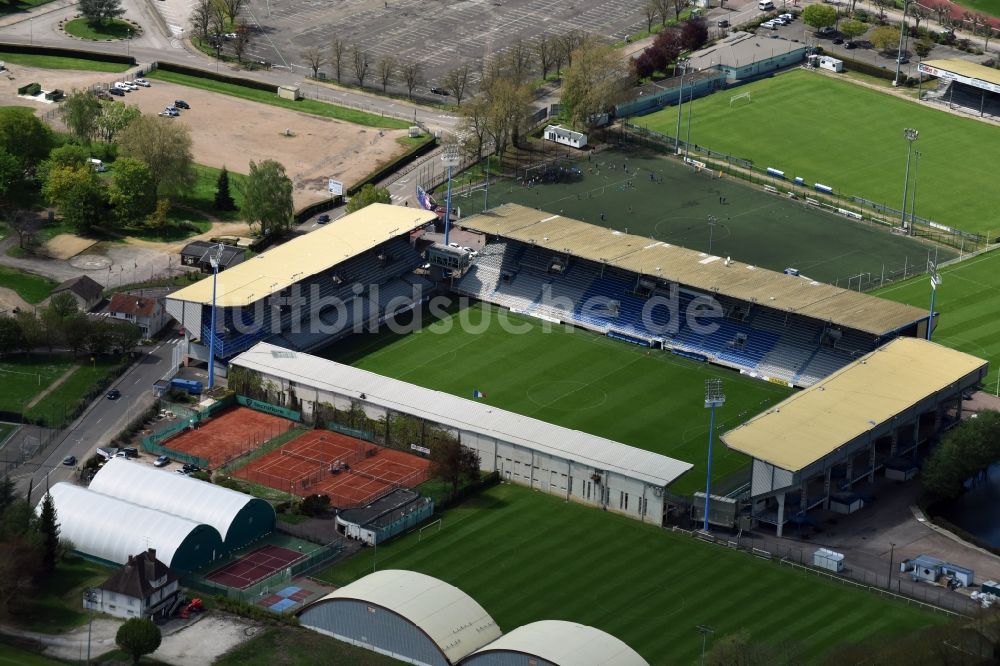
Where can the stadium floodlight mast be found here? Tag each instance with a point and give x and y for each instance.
(450, 159)
(683, 64)
(215, 258)
(714, 397)
(935, 283)
(704, 630)
(910, 135)
(902, 36)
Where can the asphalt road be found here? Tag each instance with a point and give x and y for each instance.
(102, 419)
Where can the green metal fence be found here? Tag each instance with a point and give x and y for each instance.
(357, 433)
(268, 408)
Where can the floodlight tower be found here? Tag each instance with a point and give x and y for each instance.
(215, 258)
(910, 135)
(683, 64)
(935, 281)
(714, 397)
(450, 159)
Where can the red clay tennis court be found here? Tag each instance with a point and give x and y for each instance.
(350, 471)
(229, 435)
(254, 566)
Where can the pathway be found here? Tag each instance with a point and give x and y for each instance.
(53, 386)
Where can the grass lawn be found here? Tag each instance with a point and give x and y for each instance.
(851, 138)
(60, 62)
(5, 431)
(293, 646)
(56, 605)
(525, 556)
(61, 401)
(23, 377)
(751, 225)
(968, 301)
(32, 288)
(201, 195)
(572, 378)
(113, 29)
(988, 7)
(314, 107)
(14, 656)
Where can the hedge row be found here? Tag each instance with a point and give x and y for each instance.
(393, 166)
(66, 52)
(215, 76)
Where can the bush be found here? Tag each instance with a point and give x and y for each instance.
(252, 611)
(314, 505)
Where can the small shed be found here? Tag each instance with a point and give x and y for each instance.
(565, 136)
(829, 560)
(289, 92)
(398, 511)
(925, 567)
(991, 587)
(846, 503)
(900, 469)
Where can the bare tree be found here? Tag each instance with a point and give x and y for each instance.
(918, 14)
(475, 122)
(314, 59)
(984, 26)
(217, 21)
(457, 81)
(201, 18)
(570, 42)
(517, 60)
(385, 68)
(413, 76)
(338, 49)
(360, 61)
(231, 8)
(881, 5)
(941, 12)
(543, 53)
(663, 9)
(25, 227)
(678, 6)
(242, 41)
(650, 12)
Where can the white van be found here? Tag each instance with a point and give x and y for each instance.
(97, 165)
(765, 5)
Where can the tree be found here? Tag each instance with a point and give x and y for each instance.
(983, 25)
(650, 12)
(33, 332)
(594, 83)
(49, 528)
(924, 47)
(368, 195)
(474, 125)
(507, 103)
(101, 11)
(570, 42)
(338, 49)
(413, 76)
(223, 199)
(242, 41)
(678, 6)
(544, 51)
(451, 462)
(694, 34)
(385, 68)
(941, 11)
(314, 59)
(25, 227)
(124, 336)
(231, 8)
(882, 5)
(918, 14)
(132, 193)
(516, 61)
(267, 198)
(159, 218)
(11, 341)
(57, 317)
(78, 195)
(852, 29)
(8, 491)
(24, 136)
(115, 117)
(138, 636)
(964, 453)
(360, 62)
(165, 147)
(665, 49)
(201, 18)
(80, 111)
(819, 16)
(884, 37)
(456, 81)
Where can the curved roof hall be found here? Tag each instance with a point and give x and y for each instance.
(177, 494)
(453, 620)
(112, 529)
(562, 643)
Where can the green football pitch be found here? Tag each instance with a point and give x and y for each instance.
(526, 556)
(573, 378)
(968, 301)
(750, 224)
(851, 138)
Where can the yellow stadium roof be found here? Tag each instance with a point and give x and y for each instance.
(307, 255)
(966, 68)
(707, 273)
(850, 402)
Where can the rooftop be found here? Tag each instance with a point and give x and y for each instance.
(741, 49)
(307, 255)
(852, 401)
(469, 415)
(83, 286)
(965, 68)
(396, 502)
(136, 577)
(140, 306)
(707, 273)
(560, 642)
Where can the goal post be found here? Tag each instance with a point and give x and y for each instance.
(428, 526)
(740, 99)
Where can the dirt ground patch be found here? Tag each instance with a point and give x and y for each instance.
(205, 641)
(9, 300)
(65, 246)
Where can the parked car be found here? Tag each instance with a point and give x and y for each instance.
(902, 60)
(826, 31)
(190, 468)
(770, 25)
(230, 35)
(838, 40)
(69, 461)
(130, 452)
(181, 471)
(162, 461)
(323, 219)
(181, 104)
(116, 92)
(850, 45)
(118, 85)
(723, 23)
(787, 17)
(142, 82)
(113, 394)
(440, 91)
(171, 111)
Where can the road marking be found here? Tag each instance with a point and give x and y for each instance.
(137, 381)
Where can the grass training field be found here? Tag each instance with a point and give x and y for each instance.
(24, 377)
(851, 138)
(60, 62)
(312, 106)
(751, 225)
(526, 556)
(572, 378)
(968, 301)
(989, 7)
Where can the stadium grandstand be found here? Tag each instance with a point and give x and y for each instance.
(406, 615)
(311, 290)
(964, 85)
(877, 414)
(239, 518)
(779, 327)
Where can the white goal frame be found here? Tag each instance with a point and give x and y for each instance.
(742, 95)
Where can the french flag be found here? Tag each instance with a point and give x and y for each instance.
(478, 394)
(424, 199)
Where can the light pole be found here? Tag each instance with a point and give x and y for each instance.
(450, 159)
(714, 397)
(31, 31)
(902, 34)
(214, 257)
(680, 104)
(711, 228)
(892, 552)
(910, 135)
(913, 194)
(687, 141)
(935, 282)
(128, 44)
(704, 630)
(91, 596)
(486, 194)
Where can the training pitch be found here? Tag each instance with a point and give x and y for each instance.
(750, 225)
(851, 138)
(525, 556)
(968, 301)
(649, 399)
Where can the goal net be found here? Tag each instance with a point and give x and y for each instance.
(741, 99)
